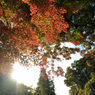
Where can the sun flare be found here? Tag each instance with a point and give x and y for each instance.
(22, 75)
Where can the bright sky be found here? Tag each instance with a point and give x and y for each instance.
(30, 77)
(61, 88)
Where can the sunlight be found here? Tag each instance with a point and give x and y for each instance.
(28, 77)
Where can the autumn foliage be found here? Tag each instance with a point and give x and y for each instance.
(49, 21)
(32, 31)
(31, 25)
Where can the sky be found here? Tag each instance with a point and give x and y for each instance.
(30, 77)
(60, 87)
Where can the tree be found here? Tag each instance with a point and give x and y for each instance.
(45, 87)
(76, 72)
(90, 85)
(31, 32)
(11, 87)
(73, 90)
(24, 90)
(25, 26)
(80, 76)
(81, 21)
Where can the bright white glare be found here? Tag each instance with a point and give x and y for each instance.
(67, 44)
(28, 77)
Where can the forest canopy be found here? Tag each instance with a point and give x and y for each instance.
(31, 31)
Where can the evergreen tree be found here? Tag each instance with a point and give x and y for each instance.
(45, 87)
(80, 77)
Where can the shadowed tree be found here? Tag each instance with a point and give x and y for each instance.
(80, 76)
(11, 87)
(45, 86)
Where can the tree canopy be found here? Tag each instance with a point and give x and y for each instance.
(31, 31)
(80, 76)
